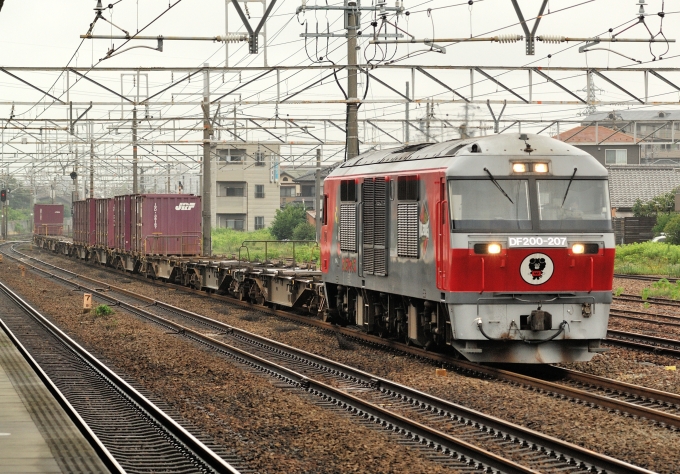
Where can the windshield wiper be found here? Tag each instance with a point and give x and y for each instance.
(493, 180)
(568, 186)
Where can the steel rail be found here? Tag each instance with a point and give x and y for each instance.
(186, 439)
(436, 404)
(657, 345)
(99, 447)
(645, 277)
(649, 299)
(513, 377)
(456, 447)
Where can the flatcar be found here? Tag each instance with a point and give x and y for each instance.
(500, 247)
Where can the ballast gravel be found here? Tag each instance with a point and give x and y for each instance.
(205, 383)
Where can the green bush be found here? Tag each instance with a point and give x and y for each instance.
(304, 231)
(103, 310)
(661, 221)
(648, 258)
(287, 220)
(672, 230)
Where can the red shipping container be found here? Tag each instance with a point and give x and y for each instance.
(122, 212)
(84, 222)
(104, 222)
(166, 224)
(48, 219)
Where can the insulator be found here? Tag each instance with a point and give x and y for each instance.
(232, 38)
(552, 38)
(508, 38)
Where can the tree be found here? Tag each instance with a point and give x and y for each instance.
(19, 196)
(287, 220)
(304, 231)
(672, 230)
(661, 204)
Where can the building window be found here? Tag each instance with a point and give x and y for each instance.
(259, 190)
(287, 191)
(232, 221)
(231, 155)
(259, 222)
(615, 157)
(307, 191)
(230, 189)
(259, 158)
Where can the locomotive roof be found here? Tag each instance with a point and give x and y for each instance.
(470, 156)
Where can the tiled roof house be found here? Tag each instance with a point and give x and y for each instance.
(628, 183)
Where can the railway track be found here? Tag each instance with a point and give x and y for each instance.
(447, 418)
(130, 432)
(625, 298)
(645, 277)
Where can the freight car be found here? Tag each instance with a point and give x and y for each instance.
(48, 219)
(499, 246)
(159, 236)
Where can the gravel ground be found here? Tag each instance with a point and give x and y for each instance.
(274, 430)
(634, 367)
(635, 441)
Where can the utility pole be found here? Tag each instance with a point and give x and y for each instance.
(352, 108)
(135, 180)
(408, 109)
(92, 163)
(317, 194)
(75, 181)
(207, 175)
(428, 107)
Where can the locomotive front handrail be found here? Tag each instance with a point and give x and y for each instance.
(515, 298)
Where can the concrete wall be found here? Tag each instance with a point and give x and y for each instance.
(598, 151)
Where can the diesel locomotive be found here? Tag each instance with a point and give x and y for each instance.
(500, 247)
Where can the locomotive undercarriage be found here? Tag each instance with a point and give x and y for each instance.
(412, 320)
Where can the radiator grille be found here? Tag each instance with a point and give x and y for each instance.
(374, 197)
(348, 227)
(407, 230)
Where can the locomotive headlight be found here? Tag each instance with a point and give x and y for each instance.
(494, 248)
(540, 167)
(519, 168)
(578, 248)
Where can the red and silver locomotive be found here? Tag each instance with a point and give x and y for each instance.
(500, 247)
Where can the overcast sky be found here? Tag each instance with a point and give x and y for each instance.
(40, 33)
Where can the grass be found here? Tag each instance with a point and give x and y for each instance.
(102, 310)
(648, 258)
(228, 242)
(664, 289)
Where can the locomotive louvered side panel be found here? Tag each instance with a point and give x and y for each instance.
(368, 260)
(380, 213)
(374, 216)
(369, 211)
(407, 230)
(348, 227)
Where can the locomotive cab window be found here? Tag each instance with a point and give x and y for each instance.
(582, 205)
(485, 204)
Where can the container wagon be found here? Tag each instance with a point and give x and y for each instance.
(84, 222)
(48, 219)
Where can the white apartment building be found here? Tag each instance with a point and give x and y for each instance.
(246, 191)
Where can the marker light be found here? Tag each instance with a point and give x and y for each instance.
(519, 168)
(578, 248)
(540, 167)
(494, 248)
